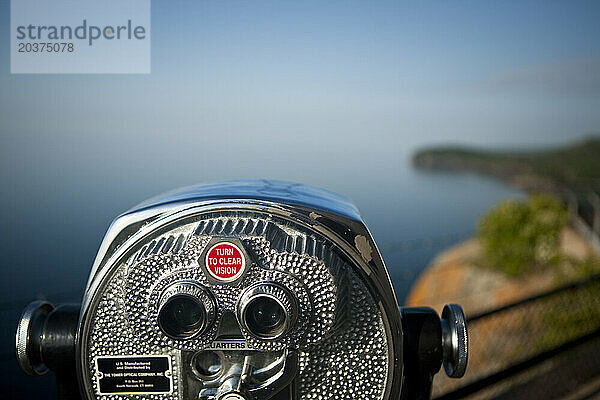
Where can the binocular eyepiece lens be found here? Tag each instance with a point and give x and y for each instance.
(267, 310)
(264, 316)
(186, 309)
(182, 316)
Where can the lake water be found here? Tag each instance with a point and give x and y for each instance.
(54, 216)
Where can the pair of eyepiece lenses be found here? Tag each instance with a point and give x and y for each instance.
(266, 310)
(182, 316)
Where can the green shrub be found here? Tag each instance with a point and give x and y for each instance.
(516, 236)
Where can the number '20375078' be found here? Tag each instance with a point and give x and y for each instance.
(46, 47)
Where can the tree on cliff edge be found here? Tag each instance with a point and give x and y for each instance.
(517, 236)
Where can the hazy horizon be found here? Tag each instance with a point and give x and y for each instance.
(336, 94)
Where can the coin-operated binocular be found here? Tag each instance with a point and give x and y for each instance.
(247, 290)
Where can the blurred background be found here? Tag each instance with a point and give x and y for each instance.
(376, 101)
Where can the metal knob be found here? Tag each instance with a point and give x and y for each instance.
(29, 337)
(455, 342)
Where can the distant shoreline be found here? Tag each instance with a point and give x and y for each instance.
(571, 173)
(560, 170)
(515, 174)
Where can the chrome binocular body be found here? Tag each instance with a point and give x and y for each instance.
(244, 290)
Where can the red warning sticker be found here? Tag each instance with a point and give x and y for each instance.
(225, 261)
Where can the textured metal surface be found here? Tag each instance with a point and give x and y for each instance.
(340, 331)
(353, 362)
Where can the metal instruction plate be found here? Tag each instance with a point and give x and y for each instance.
(134, 374)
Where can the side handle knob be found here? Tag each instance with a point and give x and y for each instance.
(45, 340)
(29, 337)
(455, 341)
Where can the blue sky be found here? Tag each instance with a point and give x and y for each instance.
(287, 89)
